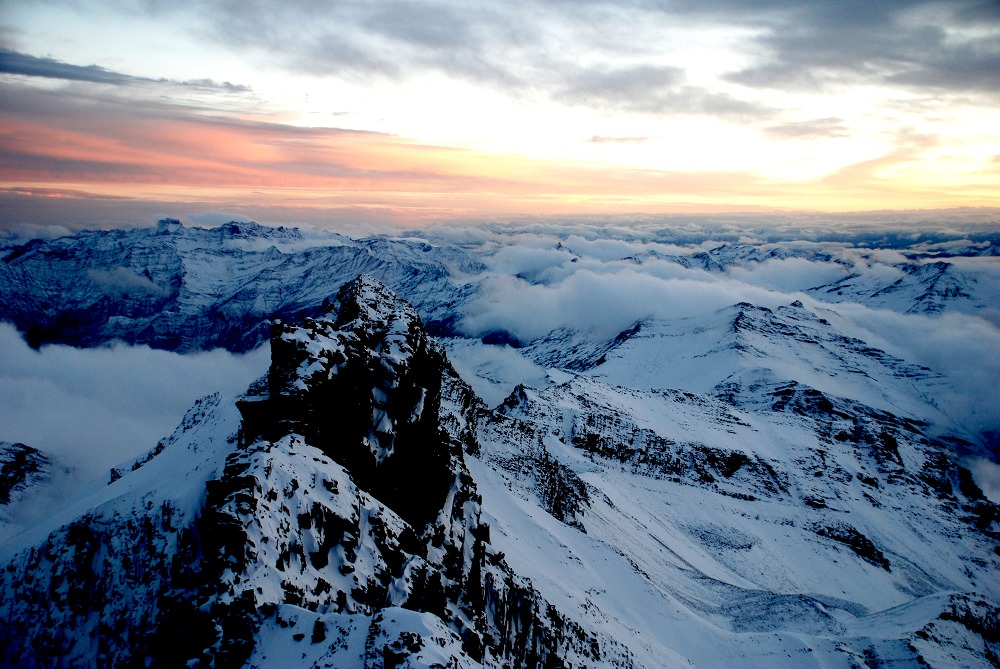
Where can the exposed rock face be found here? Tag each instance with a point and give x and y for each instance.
(20, 467)
(370, 391)
(346, 500)
(843, 485)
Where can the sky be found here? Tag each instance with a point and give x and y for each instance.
(121, 111)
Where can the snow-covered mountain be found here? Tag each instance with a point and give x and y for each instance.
(780, 529)
(746, 345)
(184, 288)
(21, 467)
(332, 502)
(746, 483)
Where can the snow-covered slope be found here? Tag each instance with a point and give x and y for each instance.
(784, 531)
(921, 288)
(746, 344)
(918, 280)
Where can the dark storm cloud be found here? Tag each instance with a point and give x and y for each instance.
(13, 62)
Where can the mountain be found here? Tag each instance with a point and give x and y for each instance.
(921, 281)
(21, 467)
(654, 481)
(360, 506)
(746, 344)
(332, 502)
(787, 528)
(183, 288)
(922, 288)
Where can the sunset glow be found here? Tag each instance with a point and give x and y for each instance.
(417, 111)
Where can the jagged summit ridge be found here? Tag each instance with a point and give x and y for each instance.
(299, 519)
(365, 385)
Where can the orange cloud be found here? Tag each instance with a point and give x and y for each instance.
(173, 154)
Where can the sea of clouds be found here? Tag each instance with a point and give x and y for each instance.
(93, 408)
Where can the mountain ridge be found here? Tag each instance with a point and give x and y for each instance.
(192, 582)
(757, 486)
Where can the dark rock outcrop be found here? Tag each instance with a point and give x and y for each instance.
(346, 494)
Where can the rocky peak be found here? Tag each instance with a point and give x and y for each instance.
(20, 467)
(392, 517)
(345, 500)
(368, 305)
(168, 226)
(364, 385)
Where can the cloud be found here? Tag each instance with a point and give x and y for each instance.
(19, 233)
(530, 50)
(93, 408)
(493, 371)
(601, 302)
(611, 86)
(528, 261)
(987, 476)
(122, 281)
(600, 285)
(150, 151)
(791, 274)
(950, 47)
(963, 347)
(359, 40)
(819, 128)
(650, 89)
(169, 140)
(13, 62)
(524, 47)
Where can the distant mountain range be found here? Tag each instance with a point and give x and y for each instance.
(184, 288)
(751, 486)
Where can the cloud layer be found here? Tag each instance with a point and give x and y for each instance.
(93, 408)
(525, 45)
(598, 286)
